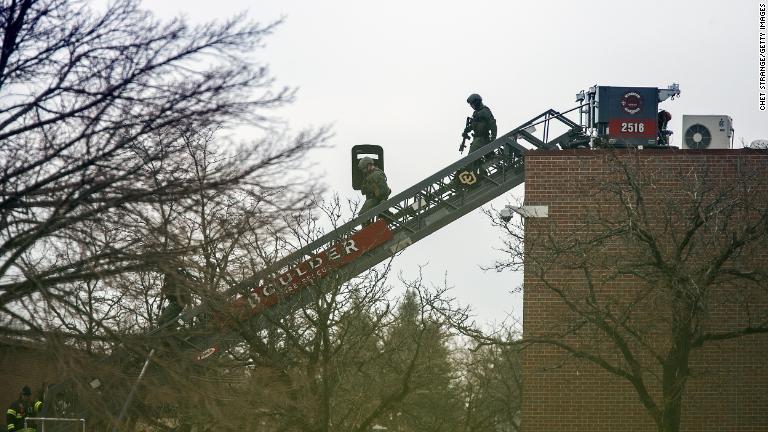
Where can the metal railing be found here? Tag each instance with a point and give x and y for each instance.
(42, 421)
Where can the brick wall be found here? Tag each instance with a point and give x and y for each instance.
(22, 365)
(729, 387)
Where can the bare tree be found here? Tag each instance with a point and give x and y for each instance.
(338, 362)
(112, 161)
(491, 388)
(218, 236)
(347, 360)
(100, 121)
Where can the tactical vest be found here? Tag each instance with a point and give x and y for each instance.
(481, 122)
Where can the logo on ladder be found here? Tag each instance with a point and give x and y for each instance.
(467, 177)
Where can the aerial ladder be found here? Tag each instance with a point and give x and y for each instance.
(352, 248)
(617, 117)
(401, 221)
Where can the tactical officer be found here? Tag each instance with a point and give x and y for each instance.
(663, 133)
(374, 185)
(177, 284)
(21, 409)
(482, 123)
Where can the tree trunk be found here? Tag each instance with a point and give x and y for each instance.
(670, 421)
(675, 377)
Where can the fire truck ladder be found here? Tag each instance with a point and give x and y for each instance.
(426, 206)
(410, 215)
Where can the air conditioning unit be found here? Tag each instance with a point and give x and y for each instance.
(707, 132)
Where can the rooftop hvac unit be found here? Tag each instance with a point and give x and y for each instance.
(707, 132)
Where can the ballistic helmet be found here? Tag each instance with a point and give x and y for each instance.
(364, 162)
(474, 98)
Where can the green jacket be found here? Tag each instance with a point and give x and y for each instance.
(375, 185)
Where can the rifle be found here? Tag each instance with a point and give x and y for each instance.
(465, 135)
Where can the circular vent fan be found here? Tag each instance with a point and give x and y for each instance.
(697, 137)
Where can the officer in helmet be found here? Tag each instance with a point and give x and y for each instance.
(21, 409)
(482, 124)
(374, 185)
(663, 121)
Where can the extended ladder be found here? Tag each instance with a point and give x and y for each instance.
(403, 220)
(349, 250)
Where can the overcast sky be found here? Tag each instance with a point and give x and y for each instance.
(397, 73)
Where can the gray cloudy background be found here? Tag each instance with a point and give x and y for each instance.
(396, 73)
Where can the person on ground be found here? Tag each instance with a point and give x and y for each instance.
(20, 409)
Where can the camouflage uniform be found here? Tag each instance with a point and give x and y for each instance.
(176, 288)
(483, 127)
(375, 189)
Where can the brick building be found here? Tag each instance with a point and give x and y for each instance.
(642, 251)
(23, 364)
